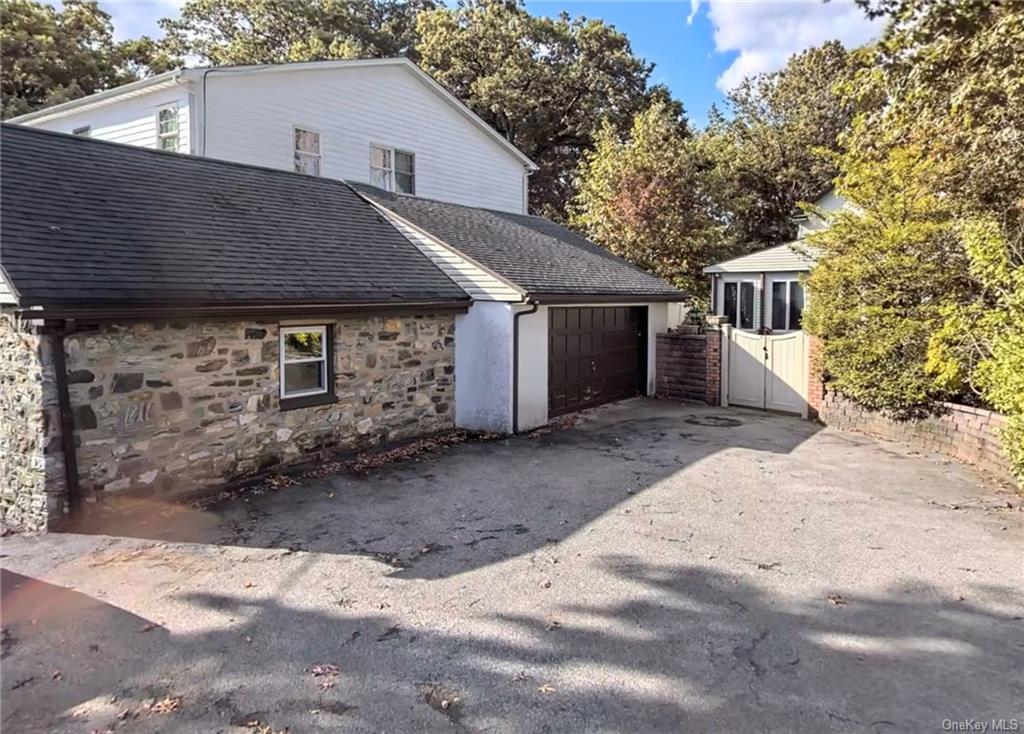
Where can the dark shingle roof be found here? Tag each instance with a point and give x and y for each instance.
(84, 221)
(536, 254)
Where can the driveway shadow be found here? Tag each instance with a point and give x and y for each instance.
(687, 648)
(478, 503)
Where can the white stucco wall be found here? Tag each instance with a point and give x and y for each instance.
(483, 367)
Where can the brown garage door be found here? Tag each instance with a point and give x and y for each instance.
(595, 356)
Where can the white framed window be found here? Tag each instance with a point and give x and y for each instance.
(308, 154)
(167, 129)
(85, 131)
(304, 361)
(392, 169)
(738, 303)
(787, 305)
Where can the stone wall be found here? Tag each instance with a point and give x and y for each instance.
(688, 367)
(31, 463)
(178, 408)
(970, 435)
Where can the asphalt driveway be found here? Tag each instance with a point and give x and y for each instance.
(657, 567)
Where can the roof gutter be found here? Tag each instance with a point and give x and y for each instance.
(177, 311)
(67, 422)
(555, 299)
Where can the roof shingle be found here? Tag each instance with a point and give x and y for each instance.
(536, 254)
(86, 221)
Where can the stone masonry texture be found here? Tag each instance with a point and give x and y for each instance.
(970, 435)
(171, 409)
(31, 463)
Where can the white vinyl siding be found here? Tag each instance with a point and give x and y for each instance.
(781, 257)
(354, 109)
(477, 282)
(133, 121)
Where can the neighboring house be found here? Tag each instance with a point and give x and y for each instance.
(379, 121)
(761, 295)
(171, 323)
(558, 323)
(762, 291)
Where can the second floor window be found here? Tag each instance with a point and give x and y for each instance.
(393, 170)
(167, 136)
(307, 152)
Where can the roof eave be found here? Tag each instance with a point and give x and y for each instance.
(108, 95)
(553, 299)
(163, 311)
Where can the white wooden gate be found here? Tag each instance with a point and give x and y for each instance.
(765, 371)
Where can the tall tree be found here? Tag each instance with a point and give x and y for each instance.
(777, 145)
(642, 196)
(227, 32)
(944, 87)
(51, 56)
(543, 83)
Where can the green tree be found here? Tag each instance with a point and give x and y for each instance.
(543, 83)
(939, 113)
(51, 56)
(777, 145)
(886, 271)
(642, 198)
(232, 32)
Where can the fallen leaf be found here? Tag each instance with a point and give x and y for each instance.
(166, 705)
(545, 688)
(57, 675)
(553, 625)
(836, 599)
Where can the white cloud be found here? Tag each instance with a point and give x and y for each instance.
(132, 18)
(765, 33)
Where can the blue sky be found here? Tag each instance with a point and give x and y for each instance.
(700, 48)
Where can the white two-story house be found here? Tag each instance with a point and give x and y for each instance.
(378, 121)
(557, 323)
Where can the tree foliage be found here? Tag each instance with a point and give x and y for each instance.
(51, 56)
(939, 112)
(642, 197)
(545, 84)
(233, 32)
(778, 144)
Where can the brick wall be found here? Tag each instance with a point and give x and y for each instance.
(688, 366)
(815, 377)
(970, 435)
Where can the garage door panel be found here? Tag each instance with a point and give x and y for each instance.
(594, 355)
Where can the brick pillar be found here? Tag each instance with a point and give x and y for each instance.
(815, 377)
(713, 357)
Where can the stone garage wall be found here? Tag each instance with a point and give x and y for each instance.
(970, 435)
(177, 408)
(31, 464)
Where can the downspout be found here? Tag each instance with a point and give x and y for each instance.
(515, 363)
(67, 422)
